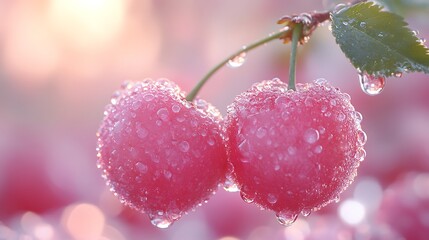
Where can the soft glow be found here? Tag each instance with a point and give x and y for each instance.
(29, 53)
(34, 225)
(369, 192)
(87, 23)
(83, 221)
(352, 212)
(299, 230)
(228, 238)
(109, 203)
(421, 185)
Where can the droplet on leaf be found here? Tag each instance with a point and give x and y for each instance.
(370, 84)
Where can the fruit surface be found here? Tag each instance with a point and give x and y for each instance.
(159, 153)
(293, 151)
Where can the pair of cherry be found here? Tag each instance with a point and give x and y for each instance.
(289, 151)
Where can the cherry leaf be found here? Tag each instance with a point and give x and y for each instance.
(378, 42)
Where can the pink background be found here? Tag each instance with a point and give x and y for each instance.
(60, 61)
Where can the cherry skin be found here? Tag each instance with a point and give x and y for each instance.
(293, 151)
(159, 153)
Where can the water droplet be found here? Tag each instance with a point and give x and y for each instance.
(311, 135)
(248, 198)
(362, 24)
(211, 141)
(114, 101)
(141, 131)
(371, 85)
(161, 222)
(285, 115)
(286, 218)
(261, 132)
(309, 102)
(127, 85)
(136, 105)
(180, 119)
(244, 148)
(362, 138)
(333, 102)
(245, 160)
(237, 61)
(357, 116)
(339, 7)
(148, 97)
(291, 150)
(398, 74)
(360, 154)
(336, 199)
(184, 146)
(381, 34)
(271, 198)
(345, 23)
(304, 18)
(175, 108)
(320, 81)
(141, 167)
(322, 130)
(306, 212)
(421, 41)
(318, 149)
(341, 116)
(163, 114)
(230, 186)
(167, 174)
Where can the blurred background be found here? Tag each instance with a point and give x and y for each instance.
(60, 61)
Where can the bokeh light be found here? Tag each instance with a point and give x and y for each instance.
(61, 60)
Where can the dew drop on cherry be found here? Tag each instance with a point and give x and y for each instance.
(286, 218)
(248, 198)
(306, 212)
(362, 138)
(311, 135)
(230, 186)
(160, 222)
(372, 85)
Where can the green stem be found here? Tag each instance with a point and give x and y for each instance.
(296, 35)
(201, 83)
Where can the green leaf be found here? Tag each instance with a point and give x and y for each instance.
(378, 42)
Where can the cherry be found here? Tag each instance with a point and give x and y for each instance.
(293, 151)
(405, 206)
(159, 153)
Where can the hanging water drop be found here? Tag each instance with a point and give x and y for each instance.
(248, 198)
(286, 218)
(306, 212)
(160, 222)
(370, 84)
(230, 186)
(237, 61)
(398, 74)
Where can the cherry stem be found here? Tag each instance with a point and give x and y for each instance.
(296, 35)
(192, 94)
